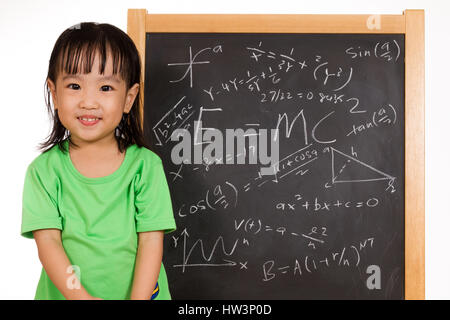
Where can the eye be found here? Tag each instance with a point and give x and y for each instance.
(106, 88)
(73, 86)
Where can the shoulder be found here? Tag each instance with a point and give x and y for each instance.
(45, 170)
(147, 165)
(47, 161)
(144, 155)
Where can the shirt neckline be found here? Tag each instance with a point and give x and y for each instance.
(112, 176)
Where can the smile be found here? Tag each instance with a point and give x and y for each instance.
(89, 121)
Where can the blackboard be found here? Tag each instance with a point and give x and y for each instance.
(330, 223)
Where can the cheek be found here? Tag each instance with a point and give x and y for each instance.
(113, 112)
(117, 118)
(67, 109)
(67, 102)
(116, 107)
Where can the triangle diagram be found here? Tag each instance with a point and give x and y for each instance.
(346, 168)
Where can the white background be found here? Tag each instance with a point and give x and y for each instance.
(29, 29)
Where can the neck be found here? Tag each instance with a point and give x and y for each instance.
(104, 146)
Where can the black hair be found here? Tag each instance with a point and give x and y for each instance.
(74, 52)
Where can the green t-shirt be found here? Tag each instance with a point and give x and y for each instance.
(99, 218)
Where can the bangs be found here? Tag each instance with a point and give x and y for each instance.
(79, 58)
(77, 55)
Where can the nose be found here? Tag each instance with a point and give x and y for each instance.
(89, 99)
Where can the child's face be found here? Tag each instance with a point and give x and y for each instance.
(104, 97)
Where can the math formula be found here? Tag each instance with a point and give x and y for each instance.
(284, 158)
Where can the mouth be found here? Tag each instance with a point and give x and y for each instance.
(88, 121)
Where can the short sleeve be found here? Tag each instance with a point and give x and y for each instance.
(39, 207)
(152, 200)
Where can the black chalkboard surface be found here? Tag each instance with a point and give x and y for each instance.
(328, 223)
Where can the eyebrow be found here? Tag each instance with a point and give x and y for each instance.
(104, 78)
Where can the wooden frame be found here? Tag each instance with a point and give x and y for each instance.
(410, 23)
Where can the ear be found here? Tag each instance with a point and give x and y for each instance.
(131, 96)
(52, 88)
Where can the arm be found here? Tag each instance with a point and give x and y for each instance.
(56, 263)
(148, 264)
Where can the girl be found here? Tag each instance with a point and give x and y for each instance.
(96, 201)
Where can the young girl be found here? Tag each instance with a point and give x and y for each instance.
(96, 201)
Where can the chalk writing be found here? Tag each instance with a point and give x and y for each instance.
(327, 206)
